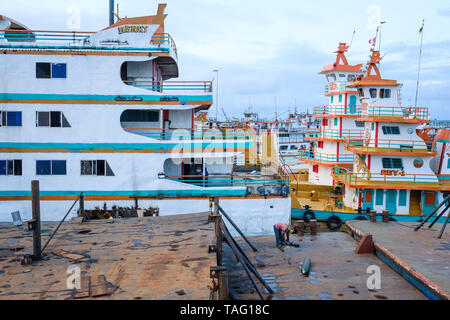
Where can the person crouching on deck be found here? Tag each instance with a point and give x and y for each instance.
(282, 234)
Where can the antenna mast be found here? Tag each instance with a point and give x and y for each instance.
(420, 60)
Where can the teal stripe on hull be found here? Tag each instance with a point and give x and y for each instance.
(98, 97)
(144, 193)
(127, 146)
(323, 215)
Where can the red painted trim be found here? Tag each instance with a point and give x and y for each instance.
(442, 158)
(346, 103)
(376, 134)
(369, 161)
(337, 151)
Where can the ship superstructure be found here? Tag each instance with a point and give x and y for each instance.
(392, 164)
(338, 122)
(99, 113)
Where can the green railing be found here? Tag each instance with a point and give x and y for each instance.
(326, 158)
(162, 86)
(394, 177)
(333, 134)
(337, 110)
(393, 145)
(228, 180)
(189, 134)
(412, 113)
(74, 40)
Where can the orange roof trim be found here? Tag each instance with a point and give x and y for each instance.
(340, 57)
(148, 20)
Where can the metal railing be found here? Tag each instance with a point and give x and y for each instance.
(192, 134)
(164, 38)
(162, 86)
(412, 113)
(337, 110)
(395, 177)
(228, 180)
(411, 146)
(72, 38)
(325, 158)
(333, 134)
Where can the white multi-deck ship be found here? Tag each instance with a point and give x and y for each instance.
(94, 113)
(381, 154)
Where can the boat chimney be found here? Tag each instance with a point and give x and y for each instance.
(111, 12)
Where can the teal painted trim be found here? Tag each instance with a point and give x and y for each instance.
(215, 144)
(156, 49)
(427, 292)
(97, 97)
(149, 193)
(347, 216)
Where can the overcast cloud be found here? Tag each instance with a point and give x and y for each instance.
(266, 49)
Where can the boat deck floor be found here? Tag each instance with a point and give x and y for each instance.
(143, 258)
(337, 272)
(420, 253)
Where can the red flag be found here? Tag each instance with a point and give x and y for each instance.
(372, 41)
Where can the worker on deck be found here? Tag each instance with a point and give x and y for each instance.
(282, 231)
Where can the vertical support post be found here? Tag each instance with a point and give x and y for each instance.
(36, 212)
(218, 220)
(81, 210)
(223, 285)
(111, 14)
(136, 204)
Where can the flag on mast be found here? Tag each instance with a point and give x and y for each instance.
(373, 41)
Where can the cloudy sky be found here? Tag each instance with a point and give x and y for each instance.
(269, 51)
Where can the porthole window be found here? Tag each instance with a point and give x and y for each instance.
(410, 130)
(418, 163)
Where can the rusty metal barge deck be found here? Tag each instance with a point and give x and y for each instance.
(142, 258)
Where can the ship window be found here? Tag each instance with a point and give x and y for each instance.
(11, 167)
(385, 93)
(139, 116)
(96, 168)
(448, 163)
(51, 167)
(331, 77)
(392, 163)
(361, 92)
(332, 99)
(43, 70)
(341, 75)
(373, 92)
(54, 119)
(340, 98)
(46, 70)
(10, 119)
(360, 124)
(350, 77)
(391, 130)
(283, 148)
(335, 122)
(294, 147)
